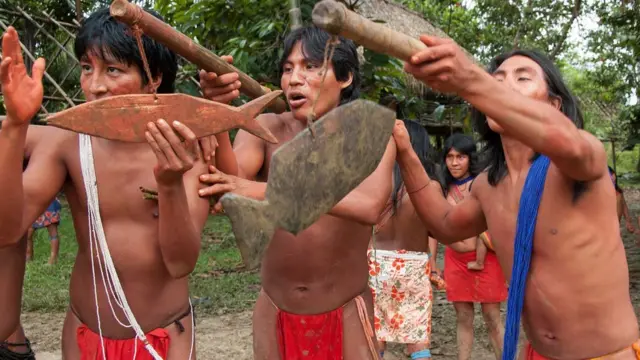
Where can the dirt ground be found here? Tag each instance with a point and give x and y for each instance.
(229, 336)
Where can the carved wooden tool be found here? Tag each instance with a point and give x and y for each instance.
(335, 18)
(125, 117)
(131, 14)
(309, 175)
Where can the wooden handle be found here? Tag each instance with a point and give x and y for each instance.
(335, 18)
(131, 14)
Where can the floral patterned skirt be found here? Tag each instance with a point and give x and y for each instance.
(50, 216)
(403, 297)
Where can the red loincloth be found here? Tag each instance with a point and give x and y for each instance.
(464, 285)
(91, 347)
(531, 354)
(310, 337)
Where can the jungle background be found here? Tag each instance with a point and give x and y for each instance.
(595, 42)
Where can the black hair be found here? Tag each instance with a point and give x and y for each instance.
(492, 152)
(345, 60)
(104, 37)
(465, 145)
(422, 146)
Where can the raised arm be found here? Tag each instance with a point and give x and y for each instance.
(446, 222)
(23, 195)
(530, 117)
(181, 216)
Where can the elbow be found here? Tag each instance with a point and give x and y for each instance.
(180, 270)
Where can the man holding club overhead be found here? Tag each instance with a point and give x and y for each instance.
(315, 303)
(576, 295)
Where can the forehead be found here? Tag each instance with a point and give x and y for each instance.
(96, 54)
(297, 53)
(454, 152)
(519, 63)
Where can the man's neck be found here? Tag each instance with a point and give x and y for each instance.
(517, 155)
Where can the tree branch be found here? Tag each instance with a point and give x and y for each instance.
(565, 31)
(527, 10)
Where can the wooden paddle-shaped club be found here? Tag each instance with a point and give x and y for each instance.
(336, 19)
(125, 117)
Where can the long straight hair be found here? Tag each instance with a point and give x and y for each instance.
(463, 144)
(492, 152)
(422, 146)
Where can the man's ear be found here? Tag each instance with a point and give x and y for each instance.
(556, 101)
(155, 84)
(345, 84)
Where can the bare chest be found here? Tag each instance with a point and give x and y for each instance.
(119, 174)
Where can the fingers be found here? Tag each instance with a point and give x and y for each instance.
(190, 139)
(37, 70)
(216, 189)
(170, 145)
(433, 54)
(11, 46)
(209, 145)
(429, 72)
(227, 58)
(214, 178)
(434, 40)
(205, 144)
(4, 70)
(162, 159)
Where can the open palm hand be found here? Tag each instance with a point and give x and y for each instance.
(22, 93)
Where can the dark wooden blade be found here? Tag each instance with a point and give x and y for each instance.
(310, 174)
(125, 117)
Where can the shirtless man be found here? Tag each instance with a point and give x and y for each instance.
(466, 285)
(577, 303)
(402, 262)
(319, 276)
(153, 268)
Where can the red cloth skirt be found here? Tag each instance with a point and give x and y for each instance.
(464, 285)
(310, 337)
(115, 349)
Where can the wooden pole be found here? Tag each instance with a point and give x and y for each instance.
(79, 10)
(132, 14)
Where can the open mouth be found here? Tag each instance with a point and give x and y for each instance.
(297, 100)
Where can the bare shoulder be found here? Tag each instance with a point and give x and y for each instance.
(273, 121)
(480, 185)
(47, 138)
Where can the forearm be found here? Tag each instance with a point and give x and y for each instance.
(358, 207)
(12, 143)
(225, 157)
(178, 238)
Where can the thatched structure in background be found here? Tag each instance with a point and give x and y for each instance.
(409, 22)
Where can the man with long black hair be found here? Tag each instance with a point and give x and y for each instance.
(315, 302)
(153, 245)
(576, 297)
